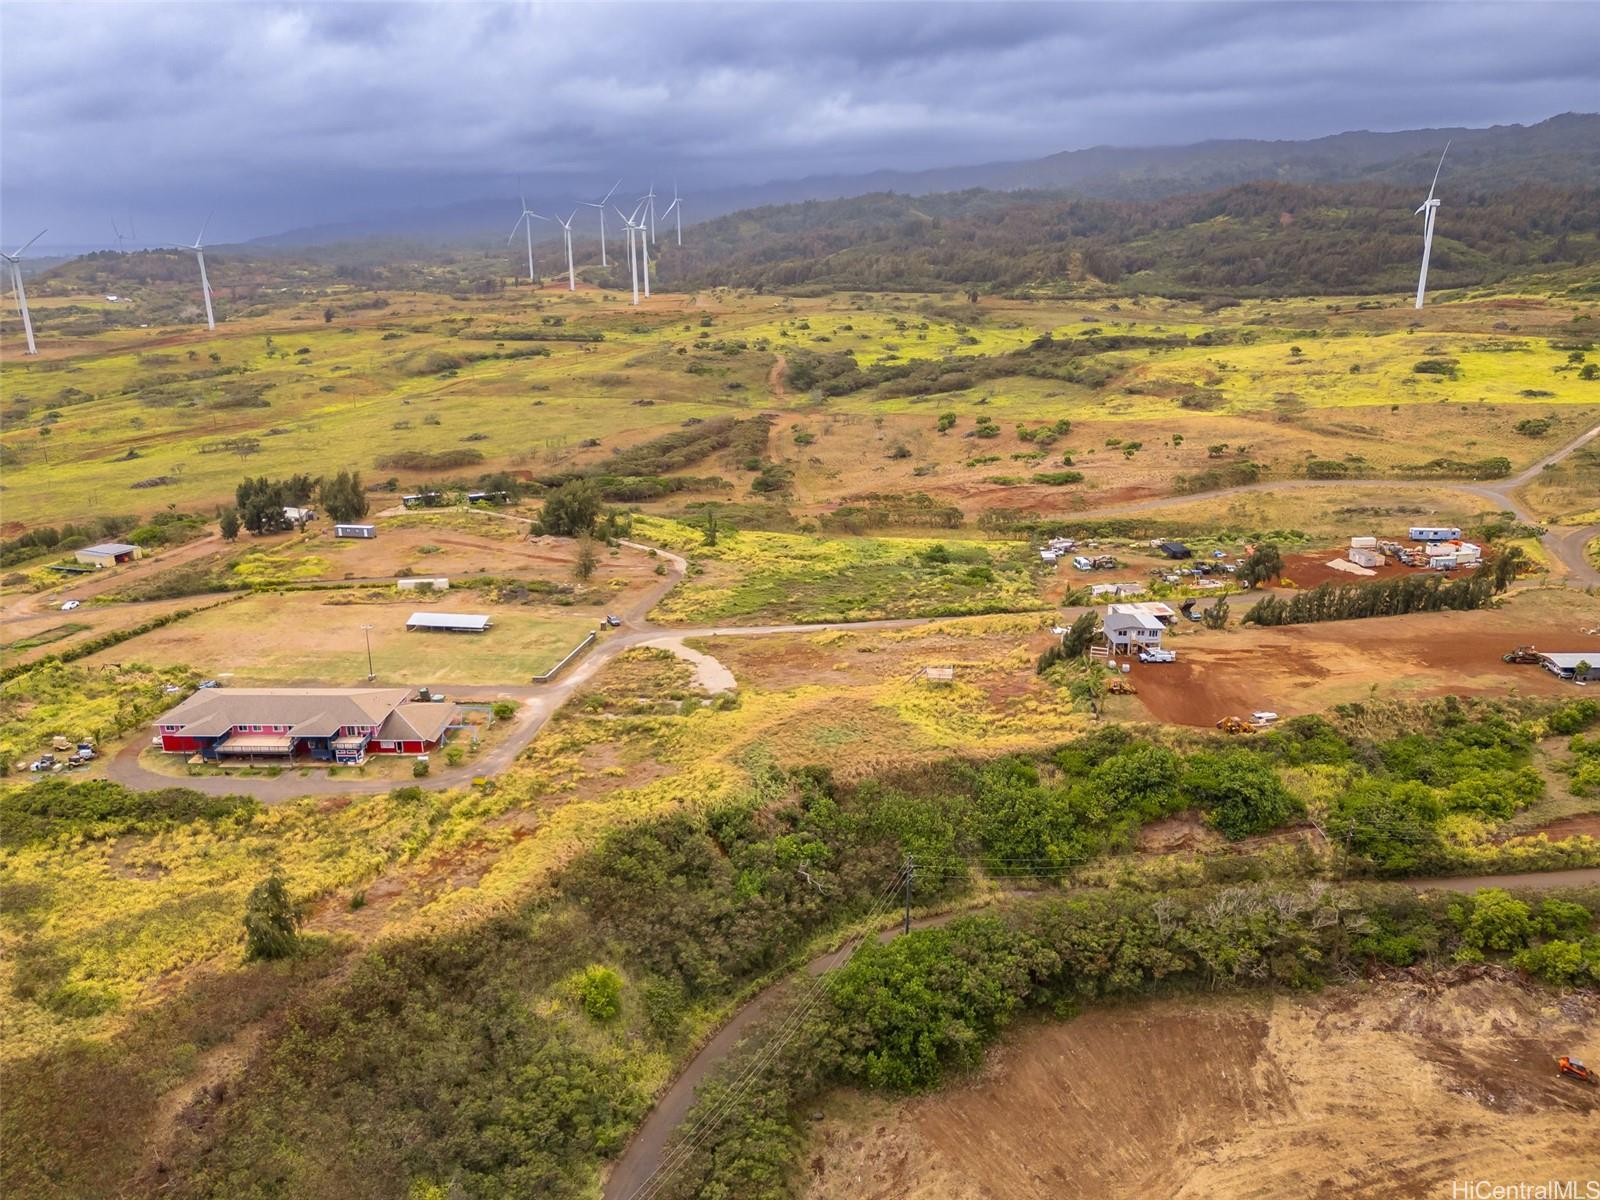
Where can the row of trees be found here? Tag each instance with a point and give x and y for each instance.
(1391, 598)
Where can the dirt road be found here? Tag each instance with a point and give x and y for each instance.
(635, 1172)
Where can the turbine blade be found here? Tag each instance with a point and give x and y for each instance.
(1436, 171)
(26, 244)
(516, 227)
(203, 225)
(609, 194)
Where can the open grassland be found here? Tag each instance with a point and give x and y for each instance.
(316, 639)
(134, 420)
(752, 576)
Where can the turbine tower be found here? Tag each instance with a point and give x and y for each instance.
(205, 284)
(1430, 206)
(16, 286)
(566, 229)
(634, 228)
(526, 220)
(650, 198)
(675, 207)
(602, 207)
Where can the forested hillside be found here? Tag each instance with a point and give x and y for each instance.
(1256, 238)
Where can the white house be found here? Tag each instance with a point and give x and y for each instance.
(1128, 628)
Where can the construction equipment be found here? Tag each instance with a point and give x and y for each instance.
(1522, 654)
(1567, 1065)
(1235, 725)
(1122, 687)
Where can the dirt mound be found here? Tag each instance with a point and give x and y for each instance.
(1394, 1089)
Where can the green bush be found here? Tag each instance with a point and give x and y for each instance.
(598, 991)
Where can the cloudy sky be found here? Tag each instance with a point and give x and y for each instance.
(280, 115)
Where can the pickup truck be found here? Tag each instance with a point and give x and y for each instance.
(1157, 655)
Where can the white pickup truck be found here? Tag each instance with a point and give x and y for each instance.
(1155, 654)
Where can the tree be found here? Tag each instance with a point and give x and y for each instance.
(343, 496)
(1216, 617)
(711, 527)
(228, 524)
(327, 316)
(1499, 921)
(271, 921)
(571, 510)
(1239, 791)
(1074, 642)
(587, 559)
(598, 991)
(1261, 564)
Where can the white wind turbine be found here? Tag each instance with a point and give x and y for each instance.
(650, 198)
(526, 221)
(205, 284)
(121, 237)
(15, 260)
(602, 207)
(566, 229)
(675, 207)
(634, 229)
(1430, 206)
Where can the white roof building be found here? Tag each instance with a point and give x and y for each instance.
(449, 622)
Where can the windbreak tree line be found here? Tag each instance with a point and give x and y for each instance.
(1391, 598)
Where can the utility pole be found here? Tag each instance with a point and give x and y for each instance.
(911, 875)
(366, 631)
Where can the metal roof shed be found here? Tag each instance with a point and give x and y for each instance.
(449, 622)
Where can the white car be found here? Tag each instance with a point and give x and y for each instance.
(70, 605)
(1157, 655)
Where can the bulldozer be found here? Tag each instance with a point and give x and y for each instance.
(1524, 655)
(1567, 1065)
(1121, 687)
(1235, 725)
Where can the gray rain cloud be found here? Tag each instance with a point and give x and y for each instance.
(279, 115)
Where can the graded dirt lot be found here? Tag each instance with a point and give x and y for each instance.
(1293, 669)
(1385, 1090)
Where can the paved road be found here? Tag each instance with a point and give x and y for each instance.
(634, 1172)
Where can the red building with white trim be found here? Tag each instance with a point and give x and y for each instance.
(321, 724)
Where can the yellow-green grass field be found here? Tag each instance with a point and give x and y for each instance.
(315, 638)
(130, 406)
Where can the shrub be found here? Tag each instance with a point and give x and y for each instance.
(598, 991)
(504, 710)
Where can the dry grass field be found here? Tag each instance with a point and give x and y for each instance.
(1372, 1091)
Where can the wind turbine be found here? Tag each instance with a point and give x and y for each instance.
(205, 284)
(16, 285)
(121, 238)
(650, 197)
(675, 207)
(602, 207)
(527, 219)
(566, 229)
(634, 228)
(1430, 206)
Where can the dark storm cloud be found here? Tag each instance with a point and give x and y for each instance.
(282, 114)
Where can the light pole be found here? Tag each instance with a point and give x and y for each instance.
(366, 631)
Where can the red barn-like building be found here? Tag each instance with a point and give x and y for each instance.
(322, 724)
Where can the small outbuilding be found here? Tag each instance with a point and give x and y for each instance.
(1362, 556)
(438, 583)
(355, 531)
(1577, 667)
(108, 554)
(448, 622)
(1175, 550)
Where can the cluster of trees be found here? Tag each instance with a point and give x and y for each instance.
(1390, 598)
(90, 809)
(69, 537)
(260, 503)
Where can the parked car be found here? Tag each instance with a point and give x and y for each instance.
(70, 605)
(209, 683)
(613, 622)
(45, 762)
(1157, 655)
